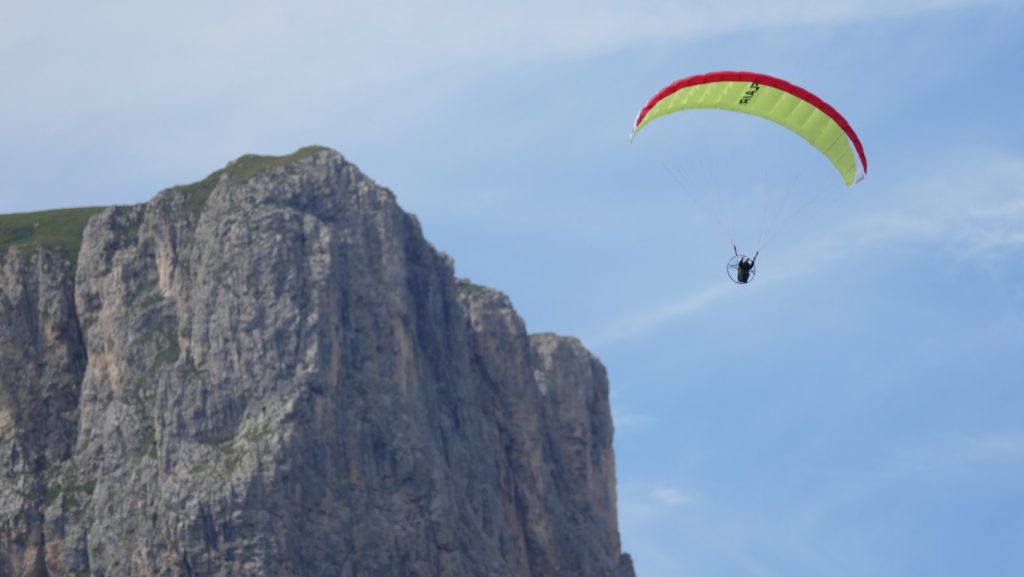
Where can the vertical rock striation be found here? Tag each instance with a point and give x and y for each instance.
(42, 361)
(271, 372)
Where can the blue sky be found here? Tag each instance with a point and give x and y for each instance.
(857, 410)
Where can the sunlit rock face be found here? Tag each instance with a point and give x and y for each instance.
(271, 372)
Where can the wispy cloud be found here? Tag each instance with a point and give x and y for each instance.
(754, 536)
(967, 452)
(671, 497)
(911, 465)
(634, 421)
(151, 80)
(148, 53)
(646, 502)
(972, 208)
(641, 322)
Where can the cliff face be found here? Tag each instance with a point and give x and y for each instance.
(271, 372)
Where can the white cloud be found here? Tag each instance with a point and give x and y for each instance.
(670, 497)
(152, 80)
(972, 208)
(909, 466)
(968, 452)
(643, 503)
(633, 421)
(641, 322)
(120, 53)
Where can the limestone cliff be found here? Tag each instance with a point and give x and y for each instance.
(272, 373)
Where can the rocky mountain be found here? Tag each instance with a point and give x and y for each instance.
(271, 373)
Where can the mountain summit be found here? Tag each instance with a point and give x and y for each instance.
(272, 373)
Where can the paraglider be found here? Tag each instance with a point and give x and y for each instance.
(741, 268)
(775, 100)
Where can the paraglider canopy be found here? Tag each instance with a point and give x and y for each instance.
(773, 99)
